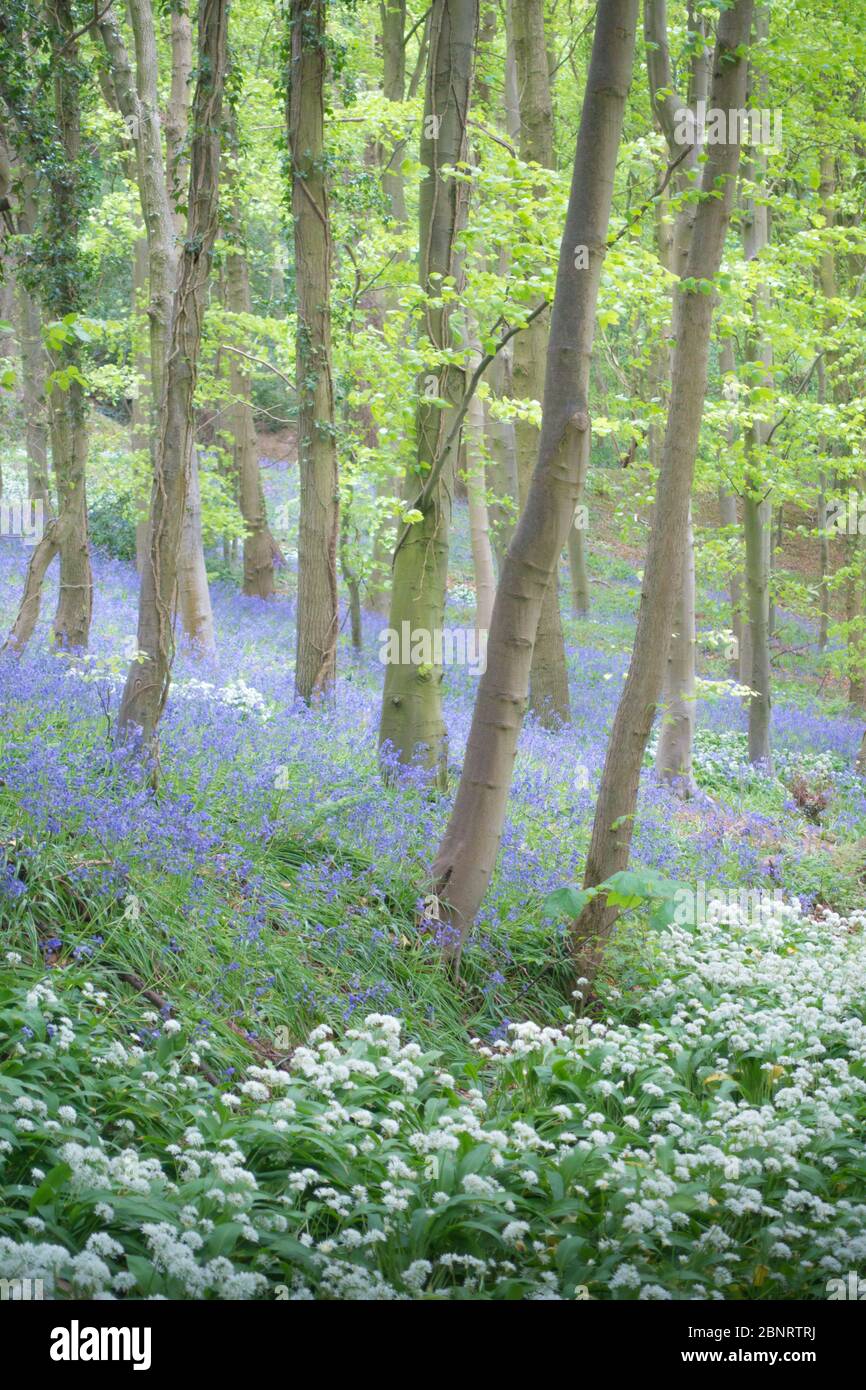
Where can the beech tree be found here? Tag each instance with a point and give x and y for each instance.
(548, 681)
(613, 823)
(148, 681)
(45, 109)
(464, 863)
(411, 723)
(676, 736)
(319, 524)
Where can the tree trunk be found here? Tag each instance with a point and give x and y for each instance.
(193, 594)
(756, 519)
(757, 509)
(319, 522)
(613, 824)
(142, 410)
(548, 682)
(138, 100)
(34, 369)
(177, 114)
(466, 857)
(411, 723)
(67, 409)
(728, 519)
(479, 524)
(393, 21)
(502, 459)
(148, 681)
(260, 548)
(676, 735)
(194, 604)
(577, 569)
(829, 289)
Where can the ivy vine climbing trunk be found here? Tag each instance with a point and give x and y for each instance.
(467, 855)
(51, 142)
(319, 520)
(193, 599)
(34, 366)
(613, 823)
(147, 683)
(411, 722)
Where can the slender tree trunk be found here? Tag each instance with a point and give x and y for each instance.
(479, 523)
(193, 594)
(148, 681)
(548, 683)
(676, 735)
(829, 289)
(260, 548)
(34, 369)
(502, 456)
(142, 411)
(177, 114)
(138, 100)
(756, 521)
(319, 522)
(466, 857)
(411, 723)
(757, 508)
(393, 27)
(613, 824)
(577, 567)
(500, 435)
(194, 602)
(728, 519)
(66, 534)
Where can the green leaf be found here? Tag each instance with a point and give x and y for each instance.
(49, 1186)
(564, 902)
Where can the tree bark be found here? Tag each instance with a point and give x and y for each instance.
(466, 857)
(757, 508)
(676, 736)
(147, 684)
(194, 603)
(479, 523)
(260, 548)
(548, 682)
(728, 519)
(617, 799)
(577, 569)
(319, 522)
(411, 723)
(34, 368)
(66, 534)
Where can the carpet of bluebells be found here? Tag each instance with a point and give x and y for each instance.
(231, 1066)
